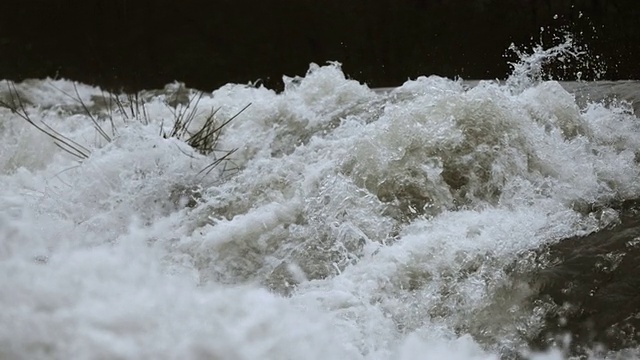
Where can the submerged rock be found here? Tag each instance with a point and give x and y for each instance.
(593, 284)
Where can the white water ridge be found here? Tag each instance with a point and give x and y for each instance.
(348, 224)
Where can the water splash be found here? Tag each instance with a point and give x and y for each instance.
(567, 60)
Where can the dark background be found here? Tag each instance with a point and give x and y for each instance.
(133, 44)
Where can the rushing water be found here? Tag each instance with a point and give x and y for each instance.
(421, 222)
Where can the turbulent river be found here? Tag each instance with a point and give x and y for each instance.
(438, 219)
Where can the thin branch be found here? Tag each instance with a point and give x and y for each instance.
(90, 115)
(17, 107)
(79, 100)
(207, 169)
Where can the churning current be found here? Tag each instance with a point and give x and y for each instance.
(439, 219)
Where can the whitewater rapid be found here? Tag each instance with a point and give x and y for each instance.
(349, 223)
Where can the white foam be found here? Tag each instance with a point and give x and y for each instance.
(383, 224)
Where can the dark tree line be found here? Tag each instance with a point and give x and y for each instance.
(147, 43)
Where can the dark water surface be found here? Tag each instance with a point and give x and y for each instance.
(594, 284)
(590, 284)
